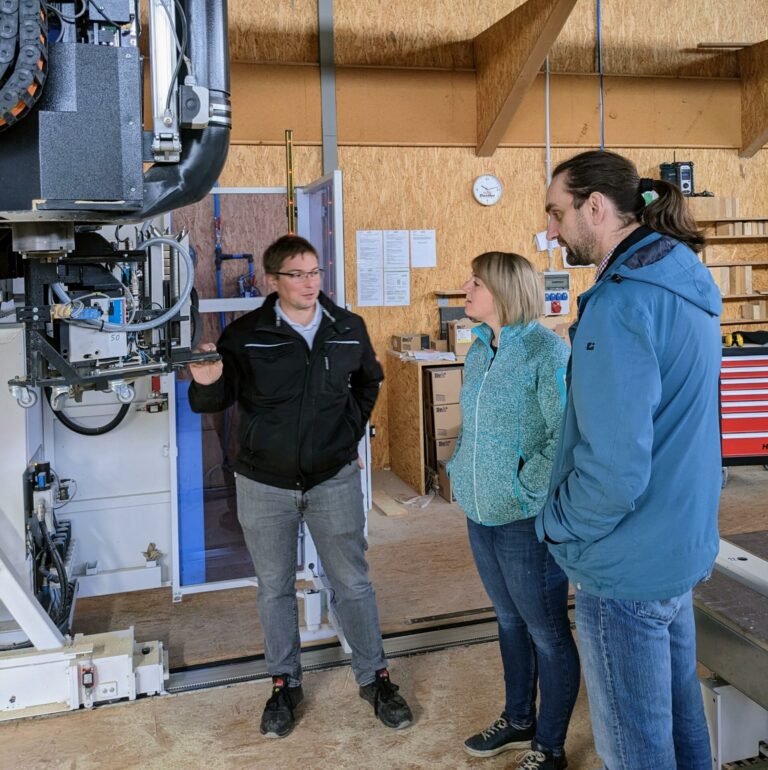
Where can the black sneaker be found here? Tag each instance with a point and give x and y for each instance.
(499, 737)
(388, 706)
(536, 759)
(278, 717)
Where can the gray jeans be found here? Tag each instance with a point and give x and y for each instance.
(333, 511)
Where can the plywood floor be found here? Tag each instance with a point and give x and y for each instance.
(421, 566)
(453, 693)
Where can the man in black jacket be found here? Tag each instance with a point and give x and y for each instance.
(305, 377)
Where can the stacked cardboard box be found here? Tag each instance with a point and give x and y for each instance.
(405, 342)
(460, 337)
(443, 418)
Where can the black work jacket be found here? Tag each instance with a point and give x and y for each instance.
(302, 411)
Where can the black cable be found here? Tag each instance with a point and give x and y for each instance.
(195, 320)
(64, 17)
(59, 564)
(182, 52)
(82, 429)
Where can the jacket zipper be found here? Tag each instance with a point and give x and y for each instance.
(474, 451)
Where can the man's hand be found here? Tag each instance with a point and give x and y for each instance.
(206, 372)
(360, 463)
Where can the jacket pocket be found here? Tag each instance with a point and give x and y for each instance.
(339, 358)
(274, 368)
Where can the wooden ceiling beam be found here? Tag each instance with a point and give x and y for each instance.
(508, 57)
(753, 63)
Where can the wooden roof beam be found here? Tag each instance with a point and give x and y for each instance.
(753, 63)
(508, 56)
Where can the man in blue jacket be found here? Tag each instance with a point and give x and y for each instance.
(631, 514)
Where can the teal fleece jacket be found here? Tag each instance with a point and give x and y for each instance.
(512, 406)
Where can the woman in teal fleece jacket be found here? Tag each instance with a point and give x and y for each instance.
(512, 404)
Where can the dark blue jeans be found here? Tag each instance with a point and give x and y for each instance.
(530, 595)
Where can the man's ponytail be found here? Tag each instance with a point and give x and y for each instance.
(669, 214)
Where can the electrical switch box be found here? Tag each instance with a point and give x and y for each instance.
(557, 293)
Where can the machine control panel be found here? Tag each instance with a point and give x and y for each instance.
(557, 293)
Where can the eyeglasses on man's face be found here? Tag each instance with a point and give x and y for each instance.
(297, 276)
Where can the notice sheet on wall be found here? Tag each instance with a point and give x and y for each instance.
(396, 255)
(370, 264)
(397, 287)
(423, 248)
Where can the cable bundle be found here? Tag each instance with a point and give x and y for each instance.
(23, 57)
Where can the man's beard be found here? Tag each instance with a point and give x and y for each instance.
(577, 256)
(585, 252)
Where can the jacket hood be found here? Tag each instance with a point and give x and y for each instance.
(662, 261)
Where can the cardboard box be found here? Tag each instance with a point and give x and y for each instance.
(460, 336)
(444, 449)
(444, 384)
(405, 342)
(441, 346)
(445, 491)
(444, 421)
(439, 450)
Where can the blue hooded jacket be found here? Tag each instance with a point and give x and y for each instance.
(632, 505)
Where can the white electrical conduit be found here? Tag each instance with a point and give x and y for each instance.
(155, 322)
(548, 158)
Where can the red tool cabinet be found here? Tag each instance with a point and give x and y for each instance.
(744, 406)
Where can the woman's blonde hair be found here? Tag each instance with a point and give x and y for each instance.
(516, 287)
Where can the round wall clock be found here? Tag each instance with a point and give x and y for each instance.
(487, 189)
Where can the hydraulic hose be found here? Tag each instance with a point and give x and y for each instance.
(83, 430)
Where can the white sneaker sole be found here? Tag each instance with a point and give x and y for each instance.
(500, 750)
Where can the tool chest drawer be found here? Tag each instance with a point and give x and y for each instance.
(744, 405)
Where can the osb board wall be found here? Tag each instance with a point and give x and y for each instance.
(439, 33)
(434, 107)
(415, 188)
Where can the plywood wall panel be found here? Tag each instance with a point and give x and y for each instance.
(268, 99)
(754, 99)
(264, 166)
(430, 187)
(655, 37)
(434, 107)
(273, 30)
(658, 37)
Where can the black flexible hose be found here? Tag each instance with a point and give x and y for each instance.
(195, 320)
(59, 564)
(82, 429)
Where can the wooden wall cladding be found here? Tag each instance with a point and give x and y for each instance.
(264, 166)
(656, 37)
(414, 188)
(432, 107)
(273, 30)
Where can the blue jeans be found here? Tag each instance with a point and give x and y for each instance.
(333, 511)
(639, 660)
(530, 595)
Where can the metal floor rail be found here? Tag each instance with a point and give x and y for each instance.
(317, 659)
